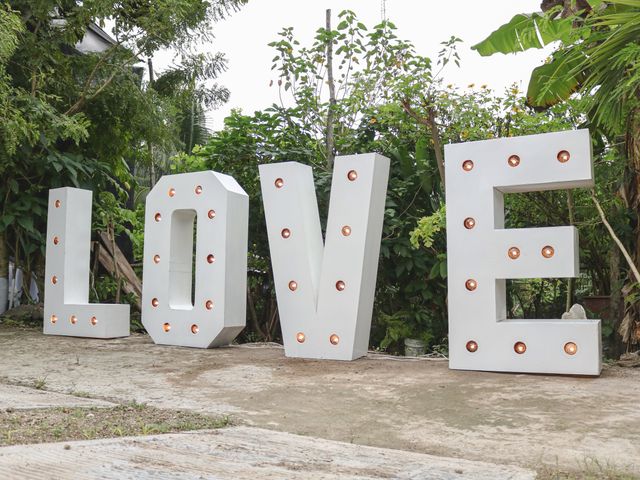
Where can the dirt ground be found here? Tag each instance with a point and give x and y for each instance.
(421, 406)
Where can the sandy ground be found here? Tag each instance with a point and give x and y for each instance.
(418, 406)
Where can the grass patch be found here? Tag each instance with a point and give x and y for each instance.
(66, 424)
(590, 469)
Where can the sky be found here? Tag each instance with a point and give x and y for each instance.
(244, 36)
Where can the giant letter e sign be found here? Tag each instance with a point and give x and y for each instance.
(482, 254)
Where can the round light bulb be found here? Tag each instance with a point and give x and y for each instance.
(346, 230)
(198, 190)
(166, 327)
(209, 304)
(340, 285)
(58, 203)
(548, 251)
(172, 192)
(570, 348)
(194, 329)
(472, 346)
(469, 223)
(279, 183)
(563, 156)
(94, 321)
(211, 214)
(334, 339)
(155, 302)
(352, 175)
(56, 240)
(520, 347)
(471, 284)
(211, 258)
(156, 259)
(513, 161)
(293, 285)
(73, 319)
(54, 279)
(157, 217)
(300, 337)
(514, 252)
(467, 165)
(286, 233)
(53, 319)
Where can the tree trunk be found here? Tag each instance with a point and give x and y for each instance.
(632, 197)
(330, 140)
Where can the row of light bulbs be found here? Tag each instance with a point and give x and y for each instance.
(563, 156)
(570, 348)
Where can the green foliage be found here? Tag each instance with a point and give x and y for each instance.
(86, 119)
(428, 227)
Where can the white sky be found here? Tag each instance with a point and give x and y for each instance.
(244, 36)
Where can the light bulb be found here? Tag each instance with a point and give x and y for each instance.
(471, 284)
(166, 327)
(279, 183)
(570, 348)
(198, 190)
(58, 203)
(520, 348)
(209, 304)
(514, 252)
(340, 285)
(156, 259)
(286, 233)
(334, 339)
(293, 285)
(94, 321)
(53, 319)
(467, 165)
(563, 156)
(469, 223)
(352, 175)
(300, 337)
(472, 346)
(172, 192)
(548, 251)
(211, 258)
(155, 302)
(194, 329)
(346, 230)
(513, 161)
(211, 214)
(73, 319)
(157, 217)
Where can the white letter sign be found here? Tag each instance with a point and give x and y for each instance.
(482, 254)
(325, 292)
(208, 309)
(67, 310)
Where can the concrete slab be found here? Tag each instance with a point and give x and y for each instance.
(24, 398)
(239, 453)
(420, 406)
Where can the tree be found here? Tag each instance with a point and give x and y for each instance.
(596, 60)
(83, 120)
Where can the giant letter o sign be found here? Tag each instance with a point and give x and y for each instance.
(212, 311)
(482, 254)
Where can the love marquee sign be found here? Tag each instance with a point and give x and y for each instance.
(325, 288)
